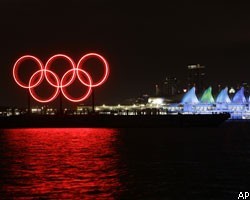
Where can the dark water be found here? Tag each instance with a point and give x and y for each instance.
(171, 163)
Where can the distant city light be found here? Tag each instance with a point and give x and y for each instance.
(198, 66)
(231, 91)
(156, 100)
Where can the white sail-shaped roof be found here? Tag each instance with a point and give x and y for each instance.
(239, 97)
(223, 96)
(190, 97)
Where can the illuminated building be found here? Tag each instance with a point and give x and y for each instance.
(190, 97)
(196, 75)
(238, 106)
(170, 87)
(239, 97)
(207, 96)
(157, 90)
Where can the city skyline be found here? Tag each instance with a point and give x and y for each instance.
(143, 42)
(172, 89)
(105, 99)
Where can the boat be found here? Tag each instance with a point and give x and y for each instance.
(113, 121)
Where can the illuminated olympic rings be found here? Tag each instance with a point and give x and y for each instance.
(67, 79)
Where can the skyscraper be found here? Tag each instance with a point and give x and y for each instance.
(196, 75)
(170, 86)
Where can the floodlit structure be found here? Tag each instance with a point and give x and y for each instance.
(207, 96)
(239, 97)
(223, 97)
(190, 97)
(238, 106)
(189, 100)
(223, 100)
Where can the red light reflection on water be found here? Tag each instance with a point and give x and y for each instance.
(61, 163)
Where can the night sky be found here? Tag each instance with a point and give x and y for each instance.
(143, 42)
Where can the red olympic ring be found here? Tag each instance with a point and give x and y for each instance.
(51, 60)
(35, 96)
(84, 59)
(66, 95)
(60, 84)
(16, 67)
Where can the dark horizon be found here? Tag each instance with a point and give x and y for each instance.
(143, 42)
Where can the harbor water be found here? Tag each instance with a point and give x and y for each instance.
(133, 163)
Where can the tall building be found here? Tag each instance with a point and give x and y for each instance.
(196, 75)
(157, 90)
(170, 86)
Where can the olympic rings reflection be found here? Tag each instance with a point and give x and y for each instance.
(44, 72)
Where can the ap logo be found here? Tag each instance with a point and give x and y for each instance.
(243, 195)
